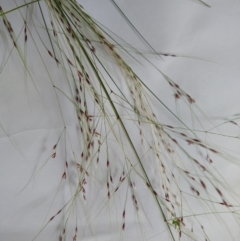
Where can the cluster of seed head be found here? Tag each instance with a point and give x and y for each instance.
(71, 24)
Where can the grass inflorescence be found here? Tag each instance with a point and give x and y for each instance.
(124, 170)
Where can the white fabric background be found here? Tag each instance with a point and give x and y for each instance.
(171, 26)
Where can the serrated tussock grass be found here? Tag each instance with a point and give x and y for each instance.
(124, 170)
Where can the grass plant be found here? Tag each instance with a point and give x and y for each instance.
(128, 167)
